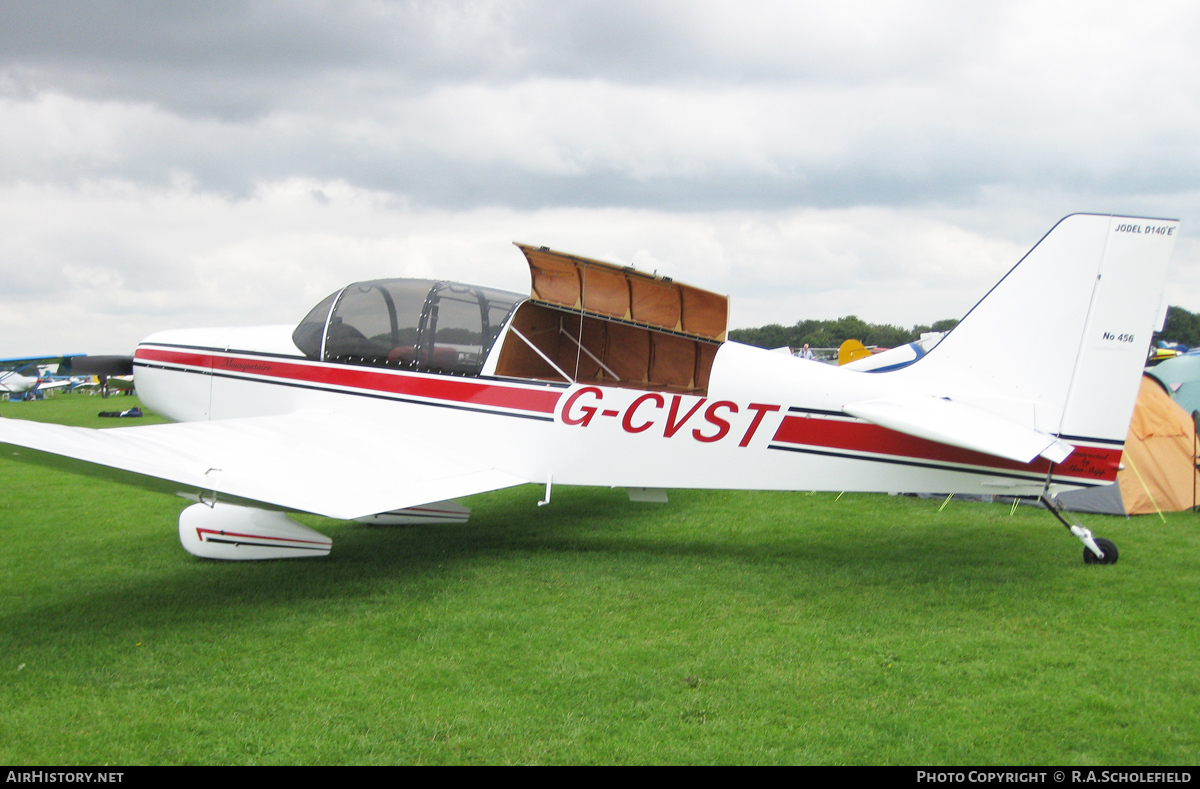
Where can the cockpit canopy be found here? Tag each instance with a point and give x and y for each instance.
(585, 320)
(412, 324)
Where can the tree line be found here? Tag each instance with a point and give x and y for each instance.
(832, 333)
(1181, 326)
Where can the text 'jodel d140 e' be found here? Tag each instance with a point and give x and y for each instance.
(394, 397)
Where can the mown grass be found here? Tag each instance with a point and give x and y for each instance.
(720, 628)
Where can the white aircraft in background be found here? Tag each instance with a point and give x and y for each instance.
(15, 377)
(393, 397)
(14, 383)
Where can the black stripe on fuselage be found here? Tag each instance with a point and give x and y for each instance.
(798, 410)
(1116, 442)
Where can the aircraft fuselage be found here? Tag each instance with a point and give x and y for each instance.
(767, 422)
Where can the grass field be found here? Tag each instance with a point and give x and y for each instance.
(757, 628)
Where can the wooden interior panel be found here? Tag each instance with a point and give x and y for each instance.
(540, 326)
(704, 313)
(555, 278)
(608, 290)
(628, 353)
(705, 353)
(673, 363)
(605, 292)
(656, 303)
(639, 357)
(595, 338)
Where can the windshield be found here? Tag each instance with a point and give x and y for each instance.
(427, 325)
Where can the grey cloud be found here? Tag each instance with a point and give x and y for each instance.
(229, 59)
(914, 164)
(241, 59)
(675, 105)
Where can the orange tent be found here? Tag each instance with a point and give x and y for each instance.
(1159, 459)
(1159, 462)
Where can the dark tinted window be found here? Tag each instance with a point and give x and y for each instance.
(377, 323)
(307, 335)
(413, 324)
(461, 326)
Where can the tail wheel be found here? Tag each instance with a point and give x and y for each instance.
(1107, 546)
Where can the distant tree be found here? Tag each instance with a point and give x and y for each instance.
(770, 336)
(1181, 326)
(832, 333)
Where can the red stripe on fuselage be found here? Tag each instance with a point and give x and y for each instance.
(447, 388)
(1094, 463)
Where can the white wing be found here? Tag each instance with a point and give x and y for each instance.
(312, 462)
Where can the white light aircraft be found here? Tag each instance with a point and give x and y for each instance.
(394, 397)
(13, 379)
(14, 382)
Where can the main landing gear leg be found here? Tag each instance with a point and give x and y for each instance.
(1096, 550)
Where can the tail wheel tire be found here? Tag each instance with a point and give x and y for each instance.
(1107, 546)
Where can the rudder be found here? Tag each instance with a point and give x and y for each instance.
(1061, 340)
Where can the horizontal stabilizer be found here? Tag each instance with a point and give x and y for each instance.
(948, 422)
(312, 462)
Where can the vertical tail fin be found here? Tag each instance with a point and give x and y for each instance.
(1065, 331)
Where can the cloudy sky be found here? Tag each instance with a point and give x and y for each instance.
(223, 163)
